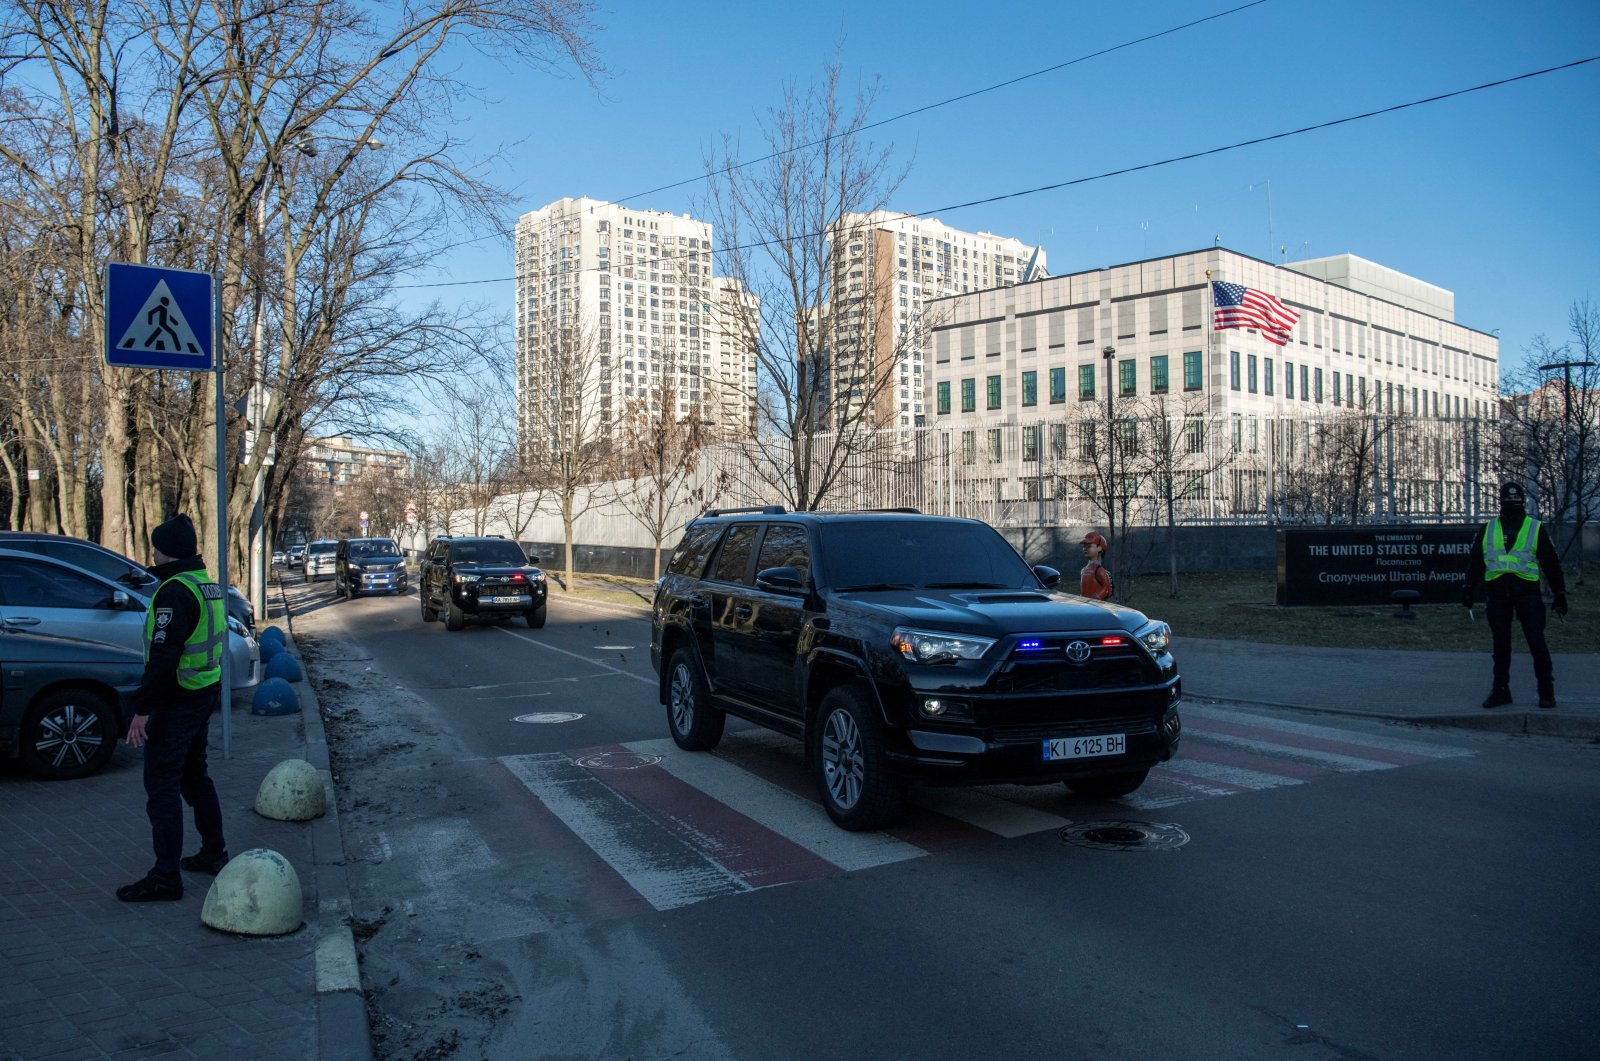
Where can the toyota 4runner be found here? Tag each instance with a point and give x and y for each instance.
(904, 647)
(485, 578)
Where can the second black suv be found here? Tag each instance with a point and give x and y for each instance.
(368, 565)
(899, 646)
(486, 578)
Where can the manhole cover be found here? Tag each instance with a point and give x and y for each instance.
(617, 761)
(544, 718)
(1125, 836)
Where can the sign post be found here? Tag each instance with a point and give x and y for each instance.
(170, 319)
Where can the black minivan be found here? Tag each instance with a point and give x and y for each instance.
(368, 565)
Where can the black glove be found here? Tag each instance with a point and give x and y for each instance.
(1466, 596)
(1560, 606)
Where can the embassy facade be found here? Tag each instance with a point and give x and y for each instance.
(1376, 363)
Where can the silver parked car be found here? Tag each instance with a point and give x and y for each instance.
(47, 596)
(64, 702)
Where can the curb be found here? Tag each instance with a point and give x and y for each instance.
(1535, 723)
(343, 1033)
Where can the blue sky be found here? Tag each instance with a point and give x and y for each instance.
(1492, 195)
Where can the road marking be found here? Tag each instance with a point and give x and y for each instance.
(666, 871)
(1330, 733)
(587, 659)
(998, 816)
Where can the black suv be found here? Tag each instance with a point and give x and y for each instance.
(488, 578)
(899, 646)
(368, 565)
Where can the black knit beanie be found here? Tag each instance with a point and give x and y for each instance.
(176, 538)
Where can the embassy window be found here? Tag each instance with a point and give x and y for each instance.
(944, 396)
(1030, 443)
(1191, 370)
(1318, 378)
(1127, 378)
(969, 395)
(1253, 382)
(1030, 388)
(1058, 386)
(1288, 379)
(1266, 378)
(1233, 369)
(994, 392)
(1086, 383)
(1158, 374)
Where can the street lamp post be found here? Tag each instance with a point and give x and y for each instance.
(1111, 444)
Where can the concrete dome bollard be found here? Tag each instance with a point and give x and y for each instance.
(274, 696)
(256, 894)
(273, 635)
(284, 666)
(292, 791)
(270, 650)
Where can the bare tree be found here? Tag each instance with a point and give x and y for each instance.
(1179, 461)
(795, 230)
(565, 442)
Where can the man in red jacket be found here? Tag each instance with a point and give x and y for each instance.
(1095, 580)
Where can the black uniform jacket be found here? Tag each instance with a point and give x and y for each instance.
(1511, 585)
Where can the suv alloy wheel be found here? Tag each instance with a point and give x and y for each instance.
(857, 789)
(429, 615)
(454, 617)
(696, 726)
(68, 734)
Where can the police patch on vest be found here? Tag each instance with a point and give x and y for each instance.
(210, 591)
(163, 616)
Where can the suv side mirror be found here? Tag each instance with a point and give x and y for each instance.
(779, 580)
(533, 561)
(1048, 575)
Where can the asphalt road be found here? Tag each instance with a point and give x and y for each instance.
(1303, 887)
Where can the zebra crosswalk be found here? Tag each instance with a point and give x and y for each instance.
(676, 828)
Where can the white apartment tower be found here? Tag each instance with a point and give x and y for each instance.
(638, 285)
(902, 262)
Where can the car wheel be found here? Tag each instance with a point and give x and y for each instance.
(696, 726)
(454, 617)
(536, 618)
(428, 614)
(858, 791)
(70, 733)
(1109, 786)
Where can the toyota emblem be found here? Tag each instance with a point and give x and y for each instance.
(1078, 651)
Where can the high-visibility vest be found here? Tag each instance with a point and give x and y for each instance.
(201, 663)
(1521, 559)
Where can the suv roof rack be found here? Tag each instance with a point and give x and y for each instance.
(764, 510)
(904, 508)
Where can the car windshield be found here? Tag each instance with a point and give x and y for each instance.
(371, 550)
(506, 552)
(921, 553)
(322, 547)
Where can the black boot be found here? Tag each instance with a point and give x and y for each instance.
(1499, 696)
(201, 862)
(1547, 698)
(153, 887)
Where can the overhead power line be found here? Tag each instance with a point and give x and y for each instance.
(1124, 171)
(953, 99)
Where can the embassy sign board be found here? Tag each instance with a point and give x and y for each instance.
(1364, 565)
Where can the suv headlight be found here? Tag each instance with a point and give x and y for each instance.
(930, 646)
(1155, 636)
(459, 577)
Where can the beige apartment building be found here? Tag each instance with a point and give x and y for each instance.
(337, 461)
(639, 285)
(901, 263)
(1370, 340)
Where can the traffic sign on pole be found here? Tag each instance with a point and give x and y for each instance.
(159, 318)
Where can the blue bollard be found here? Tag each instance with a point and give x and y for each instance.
(274, 696)
(273, 635)
(282, 665)
(269, 649)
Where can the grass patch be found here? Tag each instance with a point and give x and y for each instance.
(1239, 607)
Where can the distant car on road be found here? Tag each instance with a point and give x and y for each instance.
(320, 558)
(294, 556)
(47, 596)
(368, 565)
(485, 578)
(65, 702)
(279, 557)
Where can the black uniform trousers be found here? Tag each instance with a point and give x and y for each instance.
(1528, 609)
(174, 768)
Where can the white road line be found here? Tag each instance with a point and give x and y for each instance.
(667, 872)
(1228, 775)
(1305, 729)
(995, 814)
(799, 820)
(575, 655)
(1348, 764)
(625, 611)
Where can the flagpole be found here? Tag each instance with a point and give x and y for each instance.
(1211, 397)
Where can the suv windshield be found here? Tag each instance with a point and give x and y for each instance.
(506, 552)
(322, 547)
(914, 553)
(373, 549)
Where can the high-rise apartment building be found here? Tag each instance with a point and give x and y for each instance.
(900, 263)
(635, 288)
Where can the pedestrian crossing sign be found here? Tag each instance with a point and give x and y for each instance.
(159, 318)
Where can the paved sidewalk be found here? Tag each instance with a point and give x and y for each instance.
(1438, 688)
(87, 976)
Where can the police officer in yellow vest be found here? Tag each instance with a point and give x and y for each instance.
(1508, 557)
(185, 635)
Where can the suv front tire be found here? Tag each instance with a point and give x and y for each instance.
(696, 726)
(858, 791)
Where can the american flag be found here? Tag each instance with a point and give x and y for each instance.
(1238, 306)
